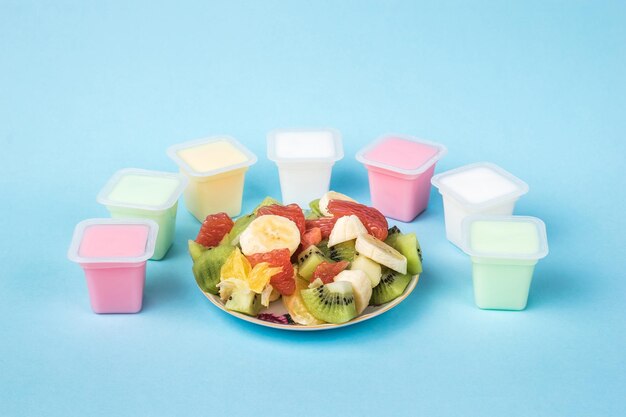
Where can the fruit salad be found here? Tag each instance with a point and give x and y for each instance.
(326, 264)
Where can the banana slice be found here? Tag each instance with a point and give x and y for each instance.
(361, 286)
(269, 232)
(372, 269)
(380, 252)
(331, 195)
(346, 228)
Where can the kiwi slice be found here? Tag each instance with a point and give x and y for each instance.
(323, 247)
(308, 260)
(196, 249)
(408, 245)
(206, 269)
(315, 209)
(392, 285)
(246, 302)
(240, 225)
(332, 303)
(392, 235)
(267, 201)
(343, 251)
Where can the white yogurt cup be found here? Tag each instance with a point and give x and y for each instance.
(305, 158)
(480, 188)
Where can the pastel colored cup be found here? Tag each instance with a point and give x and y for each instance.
(216, 169)
(138, 193)
(399, 170)
(504, 251)
(113, 255)
(480, 188)
(305, 158)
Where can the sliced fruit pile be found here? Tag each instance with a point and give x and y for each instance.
(327, 266)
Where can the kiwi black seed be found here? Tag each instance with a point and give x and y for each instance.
(244, 301)
(323, 247)
(392, 284)
(332, 303)
(308, 261)
(343, 251)
(393, 230)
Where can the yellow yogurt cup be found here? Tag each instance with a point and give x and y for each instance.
(216, 169)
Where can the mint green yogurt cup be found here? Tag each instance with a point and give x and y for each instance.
(504, 251)
(143, 194)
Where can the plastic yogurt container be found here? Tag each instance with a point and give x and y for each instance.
(113, 255)
(399, 170)
(504, 251)
(139, 193)
(216, 169)
(305, 158)
(480, 188)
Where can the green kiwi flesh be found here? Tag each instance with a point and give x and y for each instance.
(196, 249)
(315, 209)
(246, 302)
(392, 285)
(308, 260)
(407, 245)
(392, 235)
(240, 225)
(332, 303)
(267, 201)
(206, 269)
(343, 251)
(323, 247)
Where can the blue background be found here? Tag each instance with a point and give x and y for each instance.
(87, 88)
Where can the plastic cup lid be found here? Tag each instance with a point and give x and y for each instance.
(304, 145)
(504, 237)
(121, 247)
(239, 151)
(151, 179)
(479, 185)
(403, 154)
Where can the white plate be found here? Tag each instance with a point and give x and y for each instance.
(278, 309)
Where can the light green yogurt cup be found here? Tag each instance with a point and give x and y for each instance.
(504, 251)
(139, 193)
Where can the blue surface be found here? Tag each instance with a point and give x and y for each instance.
(536, 87)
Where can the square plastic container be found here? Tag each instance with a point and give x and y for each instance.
(399, 170)
(216, 169)
(504, 251)
(113, 254)
(480, 188)
(138, 193)
(305, 159)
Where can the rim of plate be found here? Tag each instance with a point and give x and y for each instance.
(215, 300)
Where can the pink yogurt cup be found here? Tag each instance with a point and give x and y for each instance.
(113, 254)
(399, 169)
